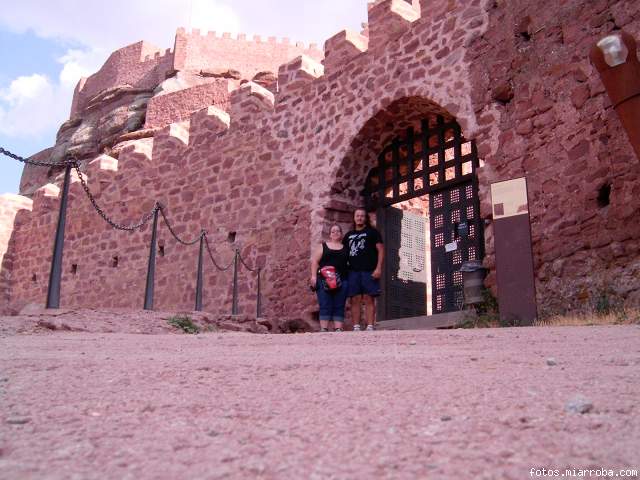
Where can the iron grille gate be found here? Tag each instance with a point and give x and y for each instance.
(455, 231)
(440, 163)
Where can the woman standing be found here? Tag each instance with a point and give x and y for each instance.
(330, 284)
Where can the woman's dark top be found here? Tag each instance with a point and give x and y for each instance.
(335, 258)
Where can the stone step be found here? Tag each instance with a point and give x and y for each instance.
(428, 322)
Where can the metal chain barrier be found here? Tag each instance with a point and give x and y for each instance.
(206, 242)
(34, 162)
(175, 235)
(257, 270)
(247, 266)
(118, 226)
(72, 163)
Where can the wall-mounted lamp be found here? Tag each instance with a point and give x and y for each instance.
(614, 50)
(616, 59)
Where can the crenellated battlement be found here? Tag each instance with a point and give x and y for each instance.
(211, 50)
(298, 72)
(158, 55)
(140, 65)
(340, 49)
(144, 66)
(206, 123)
(248, 100)
(389, 19)
(243, 39)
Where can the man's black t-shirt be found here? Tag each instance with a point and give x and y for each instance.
(363, 254)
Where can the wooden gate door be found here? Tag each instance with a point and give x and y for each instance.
(405, 272)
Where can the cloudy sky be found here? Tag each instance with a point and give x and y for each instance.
(45, 47)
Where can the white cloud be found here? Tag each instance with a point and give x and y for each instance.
(207, 15)
(34, 105)
(80, 63)
(31, 105)
(25, 88)
(117, 23)
(92, 30)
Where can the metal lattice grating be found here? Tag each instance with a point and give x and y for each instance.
(469, 192)
(439, 240)
(470, 212)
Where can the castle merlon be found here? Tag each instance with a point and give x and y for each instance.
(342, 48)
(389, 19)
(297, 73)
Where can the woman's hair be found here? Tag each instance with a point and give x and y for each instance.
(367, 220)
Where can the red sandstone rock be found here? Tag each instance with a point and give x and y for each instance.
(503, 93)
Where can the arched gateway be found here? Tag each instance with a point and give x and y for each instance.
(425, 195)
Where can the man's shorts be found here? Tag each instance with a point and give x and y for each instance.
(362, 283)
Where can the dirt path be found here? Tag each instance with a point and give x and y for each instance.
(482, 404)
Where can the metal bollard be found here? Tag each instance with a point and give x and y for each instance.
(151, 268)
(259, 301)
(199, 276)
(55, 275)
(234, 305)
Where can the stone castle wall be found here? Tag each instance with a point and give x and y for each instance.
(560, 131)
(145, 66)
(13, 210)
(275, 169)
(142, 87)
(140, 65)
(209, 51)
(179, 105)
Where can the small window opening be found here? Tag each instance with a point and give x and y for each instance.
(231, 237)
(34, 278)
(604, 195)
(161, 250)
(114, 262)
(74, 268)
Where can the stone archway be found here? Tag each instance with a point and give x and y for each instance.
(403, 205)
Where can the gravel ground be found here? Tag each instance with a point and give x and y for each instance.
(459, 404)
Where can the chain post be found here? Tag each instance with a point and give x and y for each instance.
(55, 276)
(234, 305)
(259, 301)
(200, 275)
(151, 268)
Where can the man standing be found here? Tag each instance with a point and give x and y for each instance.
(366, 253)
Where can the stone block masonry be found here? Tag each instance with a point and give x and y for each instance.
(248, 56)
(14, 209)
(267, 171)
(178, 106)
